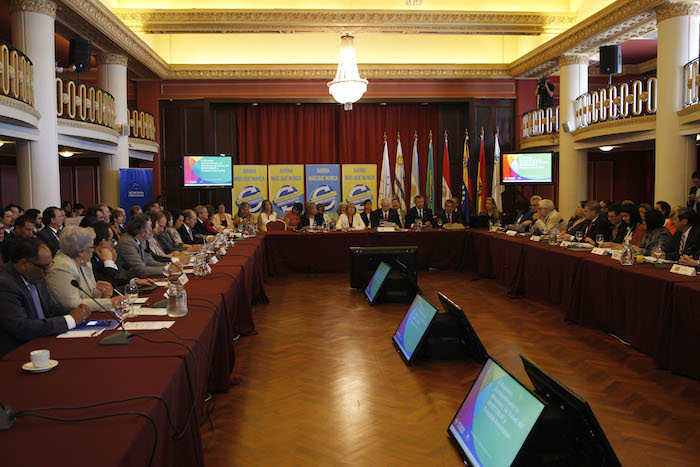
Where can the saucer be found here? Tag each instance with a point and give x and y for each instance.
(30, 368)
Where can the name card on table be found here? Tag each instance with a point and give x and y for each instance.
(684, 270)
(512, 233)
(183, 279)
(535, 238)
(213, 260)
(564, 244)
(599, 251)
(616, 255)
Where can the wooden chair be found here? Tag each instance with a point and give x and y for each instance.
(276, 226)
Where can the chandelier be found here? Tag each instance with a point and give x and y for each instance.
(347, 87)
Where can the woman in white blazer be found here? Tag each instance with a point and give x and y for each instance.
(73, 262)
(344, 222)
(266, 215)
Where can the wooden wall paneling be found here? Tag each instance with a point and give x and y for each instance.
(453, 118)
(9, 187)
(86, 189)
(67, 184)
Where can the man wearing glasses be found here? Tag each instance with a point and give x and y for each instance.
(27, 310)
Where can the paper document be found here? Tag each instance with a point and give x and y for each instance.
(80, 333)
(147, 325)
(143, 311)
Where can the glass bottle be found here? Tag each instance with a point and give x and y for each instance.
(627, 257)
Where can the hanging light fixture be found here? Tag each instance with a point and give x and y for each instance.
(347, 87)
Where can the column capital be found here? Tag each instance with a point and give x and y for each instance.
(677, 8)
(45, 7)
(573, 59)
(111, 59)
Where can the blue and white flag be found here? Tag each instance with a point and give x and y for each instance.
(385, 177)
(415, 178)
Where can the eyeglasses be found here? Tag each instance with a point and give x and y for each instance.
(45, 267)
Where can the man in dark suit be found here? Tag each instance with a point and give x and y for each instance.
(53, 223)
(202, 214)
(27, 310)
(597, 224)
(686, 240)
(419, 212)
(186, 230)
(24, 228)
(385, 214)
(448, 216)
(694, 195)
(366, 214)
(618, 226)
(104, 266)
(133, 260)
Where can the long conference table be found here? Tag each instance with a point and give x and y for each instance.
(653, 309)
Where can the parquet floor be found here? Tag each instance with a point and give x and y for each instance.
(323, 385)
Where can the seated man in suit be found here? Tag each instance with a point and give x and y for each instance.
(186, 230)
(366, 214)
(618, 226)
(419, 212)
(24, 228)
(53, 223)
(385, 214)
(694, 195)
(448, 216)
(28, 311)
(547, 218)
(598, 224)
(133, 260)
(200, 228)
(686, 240)
(104, 266)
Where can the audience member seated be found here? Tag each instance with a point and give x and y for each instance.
(106, 213)
(16, 210)
(643, 209)
(576, 220)
(74, 263)
(67, 207)
(118, 220)
(535, 204)
(266, 215)
(396, 205)
(36, 215)
(686, 240)
(458, 206)
(596, 224)
(491, 213)
(634, 233)
(618, 225)
(8, 220)
(153, 245)
(523, 213)
(694, 195)
(28, 311)
(669, 222)
(200, 228)
(546, 218)
(366, 214)
(186, 230)
(655, 234)
(419, 212)
(24, 228)
(293, 218)
(385, 214)
(104, 257)
(664, 208)
(309, 220)
(342, 209)
(165, 238)
(134, 210)
(321, 214)
(344, 222)
(78, 210)
(221, 219)
(604, 206)
(243, 216)
(53, 223)
(133, 260)
(151, 207)
(448, 216)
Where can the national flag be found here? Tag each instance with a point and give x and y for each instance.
(400, 175)
(446, 190)
(481, 189)
(496, 188)
(430, 178)
(385, 178)
(415, 178)
(466, 181)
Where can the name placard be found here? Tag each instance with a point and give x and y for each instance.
(684, 270)
(565, 244)
(616, 255)
(213, 260)
(183, 279)
(512, 233)
(599, 251)
(535, 238)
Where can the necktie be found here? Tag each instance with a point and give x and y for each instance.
(587, 229)
(386, 215)
(420, 214)
(449, 218)
(683, 238)
(614, 232)
(37, 302)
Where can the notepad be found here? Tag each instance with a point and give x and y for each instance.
(80, 333)
(144, 311)
(147, 325)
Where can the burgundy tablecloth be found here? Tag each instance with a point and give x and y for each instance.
(683, 336)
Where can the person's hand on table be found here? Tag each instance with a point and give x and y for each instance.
(589, 240)
(687, 260)
(567, 237)
(536, 216)
(145, 282)
(80, 314)
(105, 288)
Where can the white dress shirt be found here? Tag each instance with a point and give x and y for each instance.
(69, 319)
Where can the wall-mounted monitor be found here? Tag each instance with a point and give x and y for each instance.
(207, 171)
(525, 168)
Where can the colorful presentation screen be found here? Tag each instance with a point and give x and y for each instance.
(375, 284)
(413, 327)
(204, 171)
(495, 419)
(527, 167)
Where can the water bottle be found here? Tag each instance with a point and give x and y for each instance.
(177, 301)
(553, 237)
(627, 257)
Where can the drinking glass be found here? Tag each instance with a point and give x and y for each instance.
(657, 252)
(439, 223)
(599, 238)
(121, 308)
(579, 235)
(490, 224)
(132, 293)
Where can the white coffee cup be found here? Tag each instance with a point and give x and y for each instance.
(40, 358)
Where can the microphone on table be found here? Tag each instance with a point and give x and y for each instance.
(120, 338)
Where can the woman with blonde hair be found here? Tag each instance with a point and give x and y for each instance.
(491, 212)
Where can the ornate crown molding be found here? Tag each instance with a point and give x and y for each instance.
(167, 21)
(573, 59)
(673, 9)
(86, 126)
(111, 59)
(615, 124)
(45, 7)
(23, 106)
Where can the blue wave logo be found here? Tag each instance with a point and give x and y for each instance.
(286, 197)
(359, 194)
(326, 195)
(252, 196)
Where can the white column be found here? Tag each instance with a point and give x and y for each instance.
(573, 164)
(675, 160)
(37, 161)
(111, 76)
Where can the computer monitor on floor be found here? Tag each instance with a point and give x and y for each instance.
(376, 283)
(413, 328)
(453, 329)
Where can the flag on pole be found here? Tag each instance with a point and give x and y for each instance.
(430, 178)
(446, 190)
(496, 187)
(415, 178)
(466, 181)
(400, 175)
(385, 178)
(481, 177)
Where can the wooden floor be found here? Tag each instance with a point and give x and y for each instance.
(323, 385)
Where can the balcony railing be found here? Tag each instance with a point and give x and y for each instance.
(541, 122)
(16, 74)
(619, 101)
(83, 102)
(142, 125)
(691, 78)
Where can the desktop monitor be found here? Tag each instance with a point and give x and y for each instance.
(364, 261)
(413, 328)
(201, 171)
(527, 168)
(377, 282)
(584, 437)
(463, 329)
(496, 419)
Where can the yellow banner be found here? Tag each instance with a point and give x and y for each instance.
(360, 184)
(286, 184)
(249, 185)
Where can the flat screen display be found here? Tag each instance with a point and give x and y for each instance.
(472, 341)
(495, 419)
(208, 171)
(414, 327)
(527, 167)
(375, 283)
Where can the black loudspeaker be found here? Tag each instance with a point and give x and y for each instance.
(79, 54)
(610, 60)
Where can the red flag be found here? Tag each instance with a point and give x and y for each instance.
(446, 188)
(481, 177)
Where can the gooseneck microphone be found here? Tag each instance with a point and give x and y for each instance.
(120, 338)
